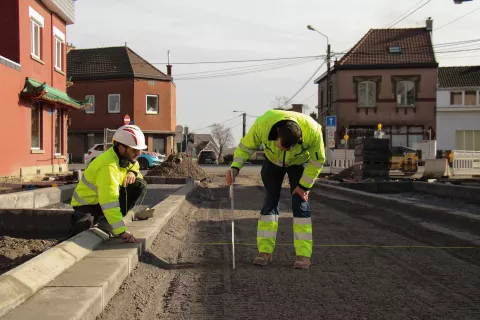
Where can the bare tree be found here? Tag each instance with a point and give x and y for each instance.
(280, 102)
(223, 137)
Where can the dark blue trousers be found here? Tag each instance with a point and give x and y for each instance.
(272, 176)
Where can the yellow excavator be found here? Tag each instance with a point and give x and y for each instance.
(404, 159)
(401, 158)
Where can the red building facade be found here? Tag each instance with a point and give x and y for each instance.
(34, 105)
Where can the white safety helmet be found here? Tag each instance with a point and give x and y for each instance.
(130, 136)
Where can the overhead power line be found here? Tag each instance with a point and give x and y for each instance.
(243, 67)
(234, 61)
(244, 72)
(455, 20)
(397, 22)
(217, 123)
(301, 88)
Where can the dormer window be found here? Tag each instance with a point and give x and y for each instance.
(395, 49)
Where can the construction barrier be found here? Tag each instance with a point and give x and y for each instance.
(436, 168)
(339, 162)
(466, 163)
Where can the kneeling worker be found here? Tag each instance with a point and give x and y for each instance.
(111, 185)
(293, 145)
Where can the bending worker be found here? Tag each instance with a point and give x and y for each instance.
(293, 145)
(111, 185)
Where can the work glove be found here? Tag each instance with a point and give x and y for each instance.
(229, 179)
(128, 237)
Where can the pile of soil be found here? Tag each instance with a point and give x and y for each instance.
(179, 166)
(15, 251)
(346, 174)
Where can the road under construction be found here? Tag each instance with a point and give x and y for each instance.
(408, 257)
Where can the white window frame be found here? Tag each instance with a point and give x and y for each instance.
(91, 98)
(158, 104)
(58, 54)
(464, 139)
(373, 86)
(59, 37)
(58, 111)
(40, 117)
(464, 92)
(35, 20)
(34, 50)
(405, 93)
(450, 97)
(119, 104)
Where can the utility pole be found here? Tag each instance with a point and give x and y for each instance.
(329, 100)
(244, 123)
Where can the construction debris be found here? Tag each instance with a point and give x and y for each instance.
(179, 166)
(346, 174)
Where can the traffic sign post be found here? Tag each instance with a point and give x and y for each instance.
(331, 124)
(126, 119)
(331, 121)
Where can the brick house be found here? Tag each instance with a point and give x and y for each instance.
(458, 108)
(119, 82)
(34, 104)
(388, 77)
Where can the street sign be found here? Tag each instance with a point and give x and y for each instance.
(126, 119)
(179, 137)
(331, 137)
(331, 121)
(179, 129)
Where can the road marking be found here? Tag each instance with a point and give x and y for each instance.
(349, 245)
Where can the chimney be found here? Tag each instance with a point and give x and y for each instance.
(169, 66)
(429, 24)
(297, 108)
(69, 47)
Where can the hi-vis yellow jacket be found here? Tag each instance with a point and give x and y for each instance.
(264, 132)
(100, 184)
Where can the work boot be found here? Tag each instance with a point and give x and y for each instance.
(302, 263)
(262, 259)
(80, 224)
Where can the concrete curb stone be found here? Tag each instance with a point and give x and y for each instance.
(87, 286)
(36, 198)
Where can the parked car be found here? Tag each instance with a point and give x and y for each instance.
(146, 160)
(207, 157)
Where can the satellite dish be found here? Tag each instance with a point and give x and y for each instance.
(178, 129)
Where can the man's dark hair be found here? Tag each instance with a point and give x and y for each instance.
(289, 134)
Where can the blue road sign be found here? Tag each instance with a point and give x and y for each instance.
(331, 121)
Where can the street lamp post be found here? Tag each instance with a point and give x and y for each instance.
(329, 100)
(244, 121)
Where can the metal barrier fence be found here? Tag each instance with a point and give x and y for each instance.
(466, 162)
(338, 160)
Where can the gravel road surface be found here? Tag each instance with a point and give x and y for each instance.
(369, 263)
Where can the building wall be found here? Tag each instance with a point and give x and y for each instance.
(165, 120)
(9, 24)
(346, 106)
(15, 111)
(101, 118)
(455, 118)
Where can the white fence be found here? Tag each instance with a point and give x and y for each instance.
(339, 161)
(466, 163)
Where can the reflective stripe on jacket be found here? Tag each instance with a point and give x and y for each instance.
(311, 149)
(100, 184)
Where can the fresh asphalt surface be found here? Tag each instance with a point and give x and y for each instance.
(368, 263)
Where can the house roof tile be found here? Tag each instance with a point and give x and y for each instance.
(374, 48)
(109, 63)
(458, 77)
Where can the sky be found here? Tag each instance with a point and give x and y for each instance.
(226, 30)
